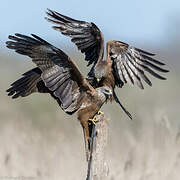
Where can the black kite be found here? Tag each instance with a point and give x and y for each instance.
(123, 63)
(59, 76)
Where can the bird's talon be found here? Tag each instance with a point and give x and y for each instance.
(94, 120)
(100, 112)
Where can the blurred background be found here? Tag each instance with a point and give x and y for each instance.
(39, 141)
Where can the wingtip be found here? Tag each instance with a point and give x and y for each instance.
(46, 18)
(7, 43)
(51, 13)
(150, 83)
(49, 20)
(10, 93)
(8, 90)
(33, 35)
(57, 28)
(164, 78)
(162, 63)
(145, 52)
(48, 10)
(9, 36)
(140, 85)
(18, 34)
(15, 96)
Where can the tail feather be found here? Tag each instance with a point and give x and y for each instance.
(87, 144)
(87, 132)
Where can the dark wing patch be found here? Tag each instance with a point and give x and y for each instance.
(59, 73)
(59, 81)
(86, 36)
(28, 84)
(130, 64)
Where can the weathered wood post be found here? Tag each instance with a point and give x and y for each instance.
(97, 166)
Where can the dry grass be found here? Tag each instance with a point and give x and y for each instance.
(39, 140)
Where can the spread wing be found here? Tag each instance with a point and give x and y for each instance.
(87, 36)
(30, 82)
(130, 64)
(59, 73)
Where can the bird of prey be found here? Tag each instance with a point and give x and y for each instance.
(123, 63)
(58, 75)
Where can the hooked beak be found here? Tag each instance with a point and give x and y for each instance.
(108, 96)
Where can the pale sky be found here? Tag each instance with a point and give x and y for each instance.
(137, 21)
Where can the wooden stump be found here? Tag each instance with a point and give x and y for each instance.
(97, 166)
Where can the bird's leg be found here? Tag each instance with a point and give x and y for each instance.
(100, 112)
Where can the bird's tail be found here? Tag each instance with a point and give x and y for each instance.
(123, 108)
(87, 131)
(87, 144)
(26, 85)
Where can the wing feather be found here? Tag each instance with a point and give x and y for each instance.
(134, 75)
(87, 36)
(137, 71)
(130, 64)
(58, 72)
(30, 82)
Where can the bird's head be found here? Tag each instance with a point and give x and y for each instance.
(101, 71)
(99, 75)
(106, 92)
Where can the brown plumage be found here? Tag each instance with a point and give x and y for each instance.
(123, 64)
(59, 76)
